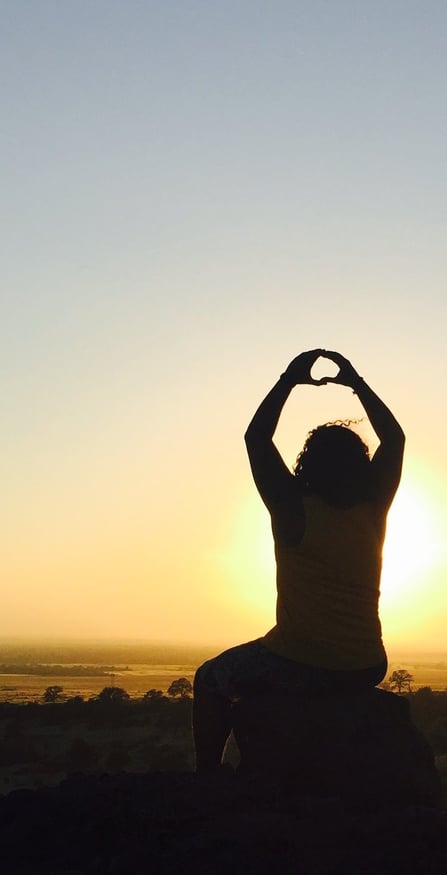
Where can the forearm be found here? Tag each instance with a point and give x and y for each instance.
(265, 420)
(382, 420)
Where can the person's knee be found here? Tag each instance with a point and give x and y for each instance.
(199, 682)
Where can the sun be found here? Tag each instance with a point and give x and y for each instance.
(413, 557)
(247, 558)
(411, 548)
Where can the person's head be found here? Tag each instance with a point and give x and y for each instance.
(334, 463)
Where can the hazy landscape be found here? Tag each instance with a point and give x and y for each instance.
(83, 668)
(114, 746)
(44, 741)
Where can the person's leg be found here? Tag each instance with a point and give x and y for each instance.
(211, 725)
(250, 668)
(218, 682)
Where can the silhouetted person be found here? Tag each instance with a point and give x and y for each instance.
(328, 523)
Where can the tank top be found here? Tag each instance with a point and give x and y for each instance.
(328, 590)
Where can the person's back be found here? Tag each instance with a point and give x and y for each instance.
(328, 589)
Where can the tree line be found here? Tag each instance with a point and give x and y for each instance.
(399, 681)
(180, 688)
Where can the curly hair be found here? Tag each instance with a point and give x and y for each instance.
(334, 462)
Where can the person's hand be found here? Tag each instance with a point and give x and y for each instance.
(300, 367)
(347, 375)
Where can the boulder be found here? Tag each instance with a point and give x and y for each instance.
(212, 824)
(363, 748)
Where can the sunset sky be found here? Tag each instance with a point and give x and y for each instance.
(192, 193)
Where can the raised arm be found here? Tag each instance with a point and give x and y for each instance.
(271, 475)
(388, 458)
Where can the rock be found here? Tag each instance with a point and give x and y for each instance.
(362, 749)
(164, 823)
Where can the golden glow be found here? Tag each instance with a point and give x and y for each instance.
(413, 580)
(413, 561)
(412, 547)
(247, 560)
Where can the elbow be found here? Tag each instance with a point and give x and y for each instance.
(399, 439)
(248, 437)
(250, 434)
(257, 434)
(395, 433)
(253, 438)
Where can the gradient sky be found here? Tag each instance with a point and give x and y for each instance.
(192, 193)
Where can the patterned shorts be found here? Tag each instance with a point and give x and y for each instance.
(252, 667)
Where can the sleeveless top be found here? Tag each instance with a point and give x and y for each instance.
(328, 590)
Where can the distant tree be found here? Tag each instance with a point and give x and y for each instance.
(400, 680)
(52, 694)
(113, 696)
(181, 687)
(152, 694)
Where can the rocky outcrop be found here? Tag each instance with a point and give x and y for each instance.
(362, 749)
(329, 787)
(166, 823)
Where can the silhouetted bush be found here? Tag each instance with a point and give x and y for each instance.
(400, 680)
(181, 687)
(52, 694)
(150, 695)
(113, 696)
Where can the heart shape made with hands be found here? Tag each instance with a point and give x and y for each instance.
(324, 367)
